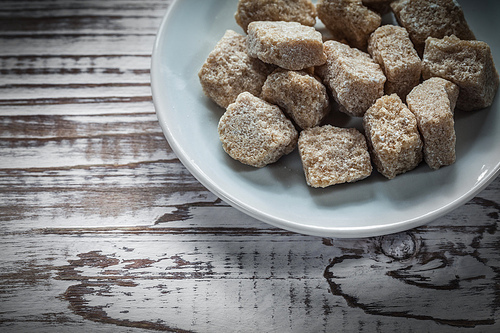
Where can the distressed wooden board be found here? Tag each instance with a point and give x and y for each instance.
(212, 277)
(104, 230)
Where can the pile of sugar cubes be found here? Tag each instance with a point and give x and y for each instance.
(280, 80)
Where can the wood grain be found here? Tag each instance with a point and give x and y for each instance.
(104, 230)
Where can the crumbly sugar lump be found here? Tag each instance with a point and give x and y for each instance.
(467, 63)
(229, 71)
(390, 46)
(432, 104)
(354, 78)
(393, 137)
(302, 11)
(256, 132)
(289, 45)
(300, 95)
(349, 20)
(431, 18)
(332, 155)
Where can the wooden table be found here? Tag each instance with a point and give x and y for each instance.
(104, 230)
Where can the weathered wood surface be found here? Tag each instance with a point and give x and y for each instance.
(103, 230)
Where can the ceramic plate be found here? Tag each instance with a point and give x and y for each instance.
(278, 194)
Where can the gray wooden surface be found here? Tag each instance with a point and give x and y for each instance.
(104, 230)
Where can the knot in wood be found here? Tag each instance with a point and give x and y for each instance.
(399, 246)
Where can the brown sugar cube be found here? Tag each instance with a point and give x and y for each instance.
(302, 11)
(355, 79)
(431, 18)
(349, 20)
(332, 155)
(255, 132)
(432, 104)
(298, 94)
(467, 63)
(229, 71)
(393, 137)
(289, 45)
(391, 47)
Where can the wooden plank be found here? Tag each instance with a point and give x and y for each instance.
(135, 194)
(14, 27)
(52, 127)
(108, 106)
(72, 70)
(168, 280)
(74, 93)
(81, 45)
(40, 8)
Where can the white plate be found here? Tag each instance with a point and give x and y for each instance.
(278, 194)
